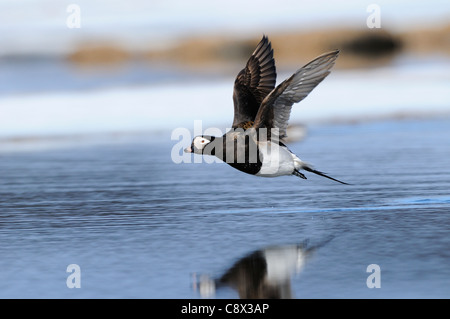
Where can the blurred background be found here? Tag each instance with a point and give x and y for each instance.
(114, 67)
(90, 92)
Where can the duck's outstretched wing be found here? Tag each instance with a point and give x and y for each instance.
(253, 84)
(276, 107)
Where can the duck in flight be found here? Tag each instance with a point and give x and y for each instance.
(255, 145)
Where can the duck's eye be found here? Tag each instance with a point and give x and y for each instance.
(203, 141)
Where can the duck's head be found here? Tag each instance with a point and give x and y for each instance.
(199, 143)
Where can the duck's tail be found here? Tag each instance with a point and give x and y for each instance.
(309, 169)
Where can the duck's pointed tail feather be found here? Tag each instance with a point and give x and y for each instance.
(309, 169)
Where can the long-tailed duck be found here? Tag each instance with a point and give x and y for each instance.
(261, 113)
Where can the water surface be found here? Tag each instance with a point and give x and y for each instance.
(140, 226)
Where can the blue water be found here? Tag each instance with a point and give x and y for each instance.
(39, 74)
(140, 226)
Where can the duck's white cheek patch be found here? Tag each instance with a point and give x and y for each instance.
(200, 143)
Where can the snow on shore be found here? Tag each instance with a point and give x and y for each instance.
(344, 95)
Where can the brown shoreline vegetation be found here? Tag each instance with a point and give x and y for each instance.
(359, 49)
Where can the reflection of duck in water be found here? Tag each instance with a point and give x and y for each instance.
(264, 273)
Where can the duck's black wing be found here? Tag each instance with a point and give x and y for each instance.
(275, 110)
(253, 84)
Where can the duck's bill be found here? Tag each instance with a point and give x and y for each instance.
(188, 150)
